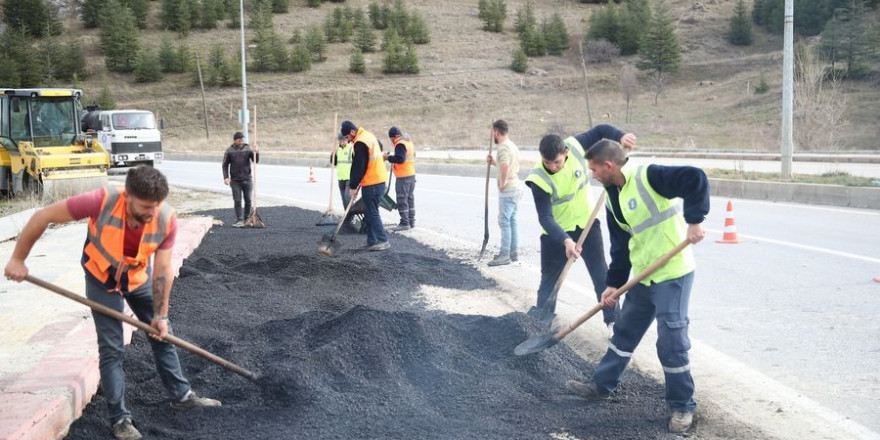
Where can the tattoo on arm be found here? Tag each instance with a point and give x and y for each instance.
(160, 296)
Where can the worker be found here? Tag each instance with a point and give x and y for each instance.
(509, 192)
(644, 223)
(237, 175)
(560, 188)
(342, 160)
(368, 174)
(126, 259)
(403, 164)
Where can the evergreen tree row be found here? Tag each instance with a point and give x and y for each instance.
(550, 38)
(55, 60)
(624, 26)
(493, 13)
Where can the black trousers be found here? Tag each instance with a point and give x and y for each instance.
(241, 188)
(553, 260)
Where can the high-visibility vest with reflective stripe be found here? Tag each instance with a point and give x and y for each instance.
(408, 167)
(655, 224)
(568, 188)
(376, 171)
(103, 251)
(343, 161)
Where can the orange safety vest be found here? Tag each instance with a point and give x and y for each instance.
(408, 167)
(103, 250)
(376, 171)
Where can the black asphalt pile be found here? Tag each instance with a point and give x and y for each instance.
(345, 349)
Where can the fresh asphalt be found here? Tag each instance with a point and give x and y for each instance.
(795, 301)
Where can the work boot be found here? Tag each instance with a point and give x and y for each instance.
(401, 227)
(680, 421)
(412, 224)
(587, 390)
(380, 246)
(500, 260)
(514, 256)
(124, 430)
(238, 224)
(192, 400)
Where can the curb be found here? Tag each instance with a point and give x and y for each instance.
(805, 193)
(43, 402)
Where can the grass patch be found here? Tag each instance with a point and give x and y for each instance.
(830, 178)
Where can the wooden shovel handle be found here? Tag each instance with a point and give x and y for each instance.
(100, 308)
(623, 289)
(599, 205)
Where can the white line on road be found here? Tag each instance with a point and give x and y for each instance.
(803, 246)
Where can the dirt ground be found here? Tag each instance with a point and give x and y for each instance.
(348, 347)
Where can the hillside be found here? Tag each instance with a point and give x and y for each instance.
(465, 82)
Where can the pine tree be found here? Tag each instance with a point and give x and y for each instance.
(525, 18)
(184, 58)
(280, 6)
(175, 16)
(364, 39)
(15, 51)
(659, 51)
(34, 17)
(50, 55)
(234, 13)
(848, 37)
(73, 62)
(313, 3)
(106, 99)
(91, 10)
(417, 30)
(410, 60)
(532, 42)
(147, 66)
(520, 61)
(604, 24)
(296, 38)
(300, 58)
(119, 37)
(378, 15)
(394, 52)
(633, 19)
(140, 9)
(356, 62)
(740, 31)
(167, 56)
(493, 13)
(210, 14)
(316, 43)
(555, 34)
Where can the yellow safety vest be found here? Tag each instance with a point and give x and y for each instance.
(655, 224)
(568, 188)
(343, 161)
(408, 167)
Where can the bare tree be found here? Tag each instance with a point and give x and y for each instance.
(586, 83)
(629, 86)
(819, 104)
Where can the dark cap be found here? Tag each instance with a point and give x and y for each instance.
(237, 135)
(347, 127)
(341, 137)
(394, 132)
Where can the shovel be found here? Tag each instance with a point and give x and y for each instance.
(486, 207)
(254, 220)
(328, 244)
(100, 308)
(545, 341)
(553, 294)
(328, 218)
(386, 201)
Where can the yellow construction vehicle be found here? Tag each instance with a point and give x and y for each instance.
(44, 151)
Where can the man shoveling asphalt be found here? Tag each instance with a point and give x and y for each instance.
(126, 228)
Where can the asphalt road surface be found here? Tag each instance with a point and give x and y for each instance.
(794, 301)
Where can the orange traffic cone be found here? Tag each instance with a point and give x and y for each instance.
(729, 236)
(311, 176)
(877, 279)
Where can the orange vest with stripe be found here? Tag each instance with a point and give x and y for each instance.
(103, 252)
(376, 171)
(408, 167)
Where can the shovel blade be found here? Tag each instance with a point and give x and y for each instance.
(254, 221)
(536, 344)
(328, 219)
(328, 245)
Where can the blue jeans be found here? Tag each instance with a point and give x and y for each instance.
(668, 303)
(507, 207)
(375, 230)
(111, 347)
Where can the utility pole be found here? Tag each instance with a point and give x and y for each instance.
(787, 89)
(204, 104)
(245, 117)
(586, 84)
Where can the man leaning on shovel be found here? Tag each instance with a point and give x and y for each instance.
(126, 228)
(645, 223)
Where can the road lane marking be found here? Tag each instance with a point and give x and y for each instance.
(805, 247)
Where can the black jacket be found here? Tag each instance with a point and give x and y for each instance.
(237, 162)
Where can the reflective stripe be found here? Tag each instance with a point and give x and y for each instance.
(657, 217)
(106, 218)
(676, 370)
(543, 175)
(619, 352)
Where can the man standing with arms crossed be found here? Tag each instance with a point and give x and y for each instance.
(368, 174)
(508, 192)
(342, 159)
(126, 228)
(237, 174)
(560, 187)
(403, 164)
(644, 223)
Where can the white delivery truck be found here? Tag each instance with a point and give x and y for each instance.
(130, 136)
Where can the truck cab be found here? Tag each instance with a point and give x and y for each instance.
(131, 136)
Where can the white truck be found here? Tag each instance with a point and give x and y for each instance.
(130, 136)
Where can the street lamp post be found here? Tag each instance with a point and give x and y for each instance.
(245, 117)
